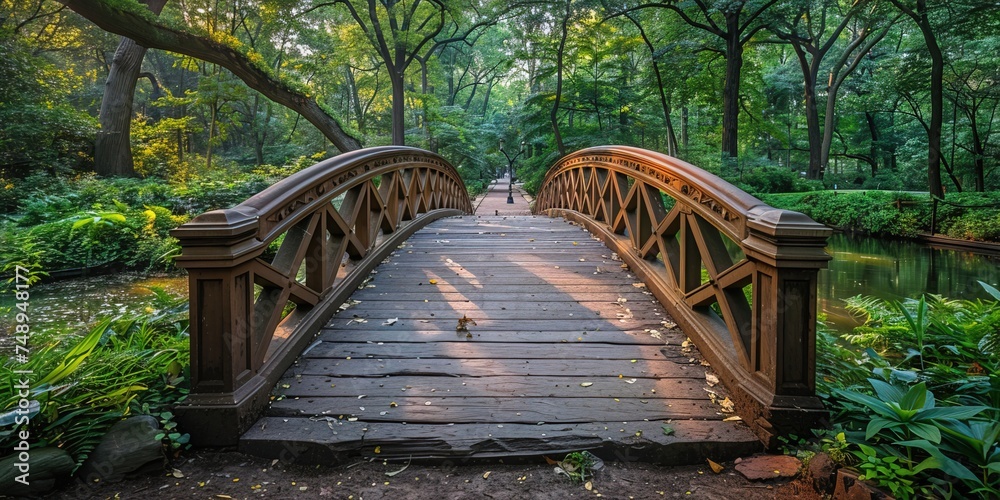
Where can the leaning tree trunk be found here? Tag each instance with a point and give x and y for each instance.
(112, 149)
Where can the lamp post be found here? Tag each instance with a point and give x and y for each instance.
(510, 170)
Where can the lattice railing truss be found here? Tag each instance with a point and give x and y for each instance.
(738, 275)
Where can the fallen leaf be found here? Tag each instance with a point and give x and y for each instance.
(378, 449)
(712, 379)
(393, 473)
(549, 460)
(734, 418)
(177, 473)
(727, 405)
(716, 468)
(631, 381)
(390, 321)
(667, 430)
(588, 486)
(586, 384)
(486, 475)
(433, 282)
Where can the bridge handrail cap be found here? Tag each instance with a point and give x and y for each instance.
(217, 225)
(778, 222)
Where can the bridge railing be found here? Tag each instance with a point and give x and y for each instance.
(738, 275)
(267, 274)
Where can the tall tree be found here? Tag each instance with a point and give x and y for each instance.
(734, 22)
(560, 52)
(918, 12)
(400, 31)
(817, 30)
(112, 147)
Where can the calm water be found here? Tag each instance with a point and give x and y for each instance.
(896, 270)
(80, 302)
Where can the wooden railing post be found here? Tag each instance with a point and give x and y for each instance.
(787, 250)
(221, 304)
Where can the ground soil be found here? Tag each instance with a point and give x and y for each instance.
(221, 474)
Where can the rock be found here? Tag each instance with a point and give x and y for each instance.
(763, 467)
(822, 471)
(46, 467)
(128, 445)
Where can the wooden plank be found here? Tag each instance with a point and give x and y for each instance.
(588, 324)
(334, 367)
(568, 310)
(637, 337)
(544, 387)
(473, 350)
(298, 439)
(494, 299)
(497, 410)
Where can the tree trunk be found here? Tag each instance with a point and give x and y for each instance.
(112, 148)
(937, 103)
(685, 141)
(731, 88)
(873, 131)
(554, 114)
(398, 108)
(978, 156)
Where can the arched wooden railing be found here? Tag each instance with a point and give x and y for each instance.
(738, 275)
(266, 275)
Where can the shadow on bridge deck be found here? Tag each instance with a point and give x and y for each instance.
(567, 352)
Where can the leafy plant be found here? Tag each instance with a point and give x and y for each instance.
(578, 466)
(904, 414)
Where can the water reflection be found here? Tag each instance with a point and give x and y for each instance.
(79, 302)
(893, 269)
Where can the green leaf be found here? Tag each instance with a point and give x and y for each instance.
(875, 425)
(916, 398)
(955, 412)
(873, 404)
(77, 355)
(946, 464)
(926, 431)
(886, 392)
(990, 290)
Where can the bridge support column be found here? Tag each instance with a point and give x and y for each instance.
(226, 393)
(787, 250)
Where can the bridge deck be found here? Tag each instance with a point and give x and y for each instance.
(567, 352)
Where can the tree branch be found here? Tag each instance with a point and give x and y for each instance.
(151, 34)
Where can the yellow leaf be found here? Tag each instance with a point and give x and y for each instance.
(487, 474)
(586, 384)
(589, 485)
(378, 449)
(434, 282)
(716, 468)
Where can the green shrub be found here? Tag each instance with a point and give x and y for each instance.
(920, 405)
(83, 383)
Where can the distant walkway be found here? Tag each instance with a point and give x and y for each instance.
(494, 202)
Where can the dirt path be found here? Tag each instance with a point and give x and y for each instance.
(220, 475)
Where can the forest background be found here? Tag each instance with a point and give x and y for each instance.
(97, 132)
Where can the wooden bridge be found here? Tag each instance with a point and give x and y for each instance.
(360, 307)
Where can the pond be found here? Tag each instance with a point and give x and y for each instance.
(898, 269)
(79, 302)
